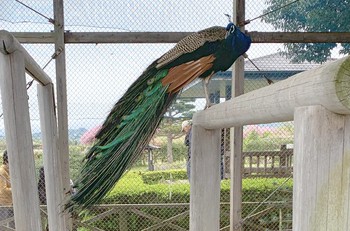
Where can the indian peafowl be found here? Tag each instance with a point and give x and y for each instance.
(135, 117)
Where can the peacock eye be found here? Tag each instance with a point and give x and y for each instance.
(232, 29)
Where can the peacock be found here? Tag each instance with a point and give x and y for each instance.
(135, 117)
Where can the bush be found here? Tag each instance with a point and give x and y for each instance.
(162, 176)
(132, 189)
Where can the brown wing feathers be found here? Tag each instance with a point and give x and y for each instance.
(181, 75)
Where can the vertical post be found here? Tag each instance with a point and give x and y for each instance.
(123, 220)
(19, 142)
(237, 133)
(321, 170)
(62, 115)
(205, 180)
(51, 158)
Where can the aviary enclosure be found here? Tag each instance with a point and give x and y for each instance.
(242, 177)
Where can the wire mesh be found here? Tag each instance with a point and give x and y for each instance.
(154, 194)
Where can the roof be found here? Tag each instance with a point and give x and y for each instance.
(278, 62)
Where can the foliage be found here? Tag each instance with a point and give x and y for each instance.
(132, 190)
(311, 16)
(76, 157)
(179, 152)
(270, 139)
(158, 176)
(255, 142)
(181, 108)
(170, 126)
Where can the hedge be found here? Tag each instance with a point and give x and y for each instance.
(142, 188)
(155, 177)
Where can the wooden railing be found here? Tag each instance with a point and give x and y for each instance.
(265, 164)
(120, 216)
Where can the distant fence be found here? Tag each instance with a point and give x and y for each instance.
(264, 164)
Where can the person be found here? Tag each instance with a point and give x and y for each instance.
(186, 127)
(5, 192)
(41, 186)
(42, 196)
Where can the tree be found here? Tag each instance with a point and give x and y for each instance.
(311, 16)
(171, 124)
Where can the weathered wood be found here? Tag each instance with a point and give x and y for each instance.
(9, 44)
(174, 37)
(52, 168)
(327, 85)
(205, 168)
(135, 208)
(123, 220)
(236, 138)
(167, 222)
(299, 37)
(345, 191)
(62, 115)
(19, 141)
(321, 174)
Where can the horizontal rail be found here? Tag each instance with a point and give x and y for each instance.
(328, 85)
(9, 44)
(174, 37)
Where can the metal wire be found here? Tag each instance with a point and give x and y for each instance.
(49, 19)
(270, 12)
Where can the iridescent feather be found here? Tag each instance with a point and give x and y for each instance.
(135, 117)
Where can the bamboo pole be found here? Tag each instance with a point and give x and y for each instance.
(19, 141)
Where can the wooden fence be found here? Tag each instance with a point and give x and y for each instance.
(264, 164)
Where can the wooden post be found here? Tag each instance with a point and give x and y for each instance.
(19, 141)
(205, 171)
(53, 182)
(62, 114)
(321, 170)
(237, 133)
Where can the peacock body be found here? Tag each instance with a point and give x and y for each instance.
(134, 118)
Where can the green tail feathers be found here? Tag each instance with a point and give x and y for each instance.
(123, 136)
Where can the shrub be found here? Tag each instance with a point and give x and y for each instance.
(168, 175)
(132, 189)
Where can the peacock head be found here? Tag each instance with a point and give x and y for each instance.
(236, 39)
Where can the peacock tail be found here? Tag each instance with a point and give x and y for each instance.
(135, 117)
(123, 136)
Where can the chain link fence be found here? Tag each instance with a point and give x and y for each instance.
(154, 194)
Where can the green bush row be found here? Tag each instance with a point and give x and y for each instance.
(132, 189)
(155, 177)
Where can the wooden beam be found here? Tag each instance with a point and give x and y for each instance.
(321, 170)
(10, 44)
(300, 37)
(174, 37)
(62, 114)
(327, 85)
(205, 172)
(19, 141)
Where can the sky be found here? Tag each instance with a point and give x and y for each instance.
(98, 74)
